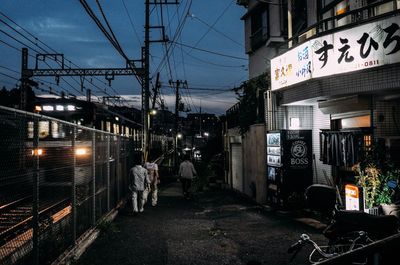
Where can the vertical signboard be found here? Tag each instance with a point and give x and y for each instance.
(353, 197)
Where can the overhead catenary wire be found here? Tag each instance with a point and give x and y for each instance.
(36, 43)
(112, 40)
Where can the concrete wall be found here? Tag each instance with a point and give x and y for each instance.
(254, 163)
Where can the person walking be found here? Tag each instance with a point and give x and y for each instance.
(138, 180)
(152, 171)
(186, 175)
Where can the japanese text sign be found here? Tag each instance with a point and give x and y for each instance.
(366, 46)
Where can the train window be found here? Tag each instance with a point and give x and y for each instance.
(108, 126)
(116, 128)
(30, 129)
(44, 129)
(57, 130)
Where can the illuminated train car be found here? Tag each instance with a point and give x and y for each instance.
(55, 138)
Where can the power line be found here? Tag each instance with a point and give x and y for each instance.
(216, 30)
(131, 22)
(38, 40)
(9, 76)
(215, 22)
(208, 51)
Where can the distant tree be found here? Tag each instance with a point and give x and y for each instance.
(250, 95)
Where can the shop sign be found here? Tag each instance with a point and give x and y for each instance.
(366, 46)
(353, 198)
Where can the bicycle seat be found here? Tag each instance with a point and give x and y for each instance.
(377, 227)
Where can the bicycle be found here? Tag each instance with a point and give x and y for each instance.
(320, 253)
(347, 230)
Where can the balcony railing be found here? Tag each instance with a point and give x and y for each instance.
(257, 39)
(340, 22)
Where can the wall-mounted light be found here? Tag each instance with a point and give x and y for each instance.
(38, 108)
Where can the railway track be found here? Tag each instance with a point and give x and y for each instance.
(16, 217)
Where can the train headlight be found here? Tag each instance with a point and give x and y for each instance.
(81, 151)
(37, 152)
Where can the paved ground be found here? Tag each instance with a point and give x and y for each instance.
(217, 227)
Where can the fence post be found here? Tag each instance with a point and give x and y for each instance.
(94, 177)
(108, 172)
(117, 167)
(73, 199)
(35, 201)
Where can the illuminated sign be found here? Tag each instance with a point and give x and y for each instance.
(353, 198)
(366, 46)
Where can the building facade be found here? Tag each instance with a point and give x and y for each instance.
(340, 78)
(334, 70)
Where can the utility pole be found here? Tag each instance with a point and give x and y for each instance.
(176, 120)
(146, 60)
(146, 83)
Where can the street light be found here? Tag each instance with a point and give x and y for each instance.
(153, 112)
(179, 135)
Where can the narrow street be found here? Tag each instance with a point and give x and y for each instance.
(217, 227)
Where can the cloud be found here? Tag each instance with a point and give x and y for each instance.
(50, 24)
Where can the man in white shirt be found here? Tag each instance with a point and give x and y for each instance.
(138, 180)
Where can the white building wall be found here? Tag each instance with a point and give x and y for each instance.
(320, 121)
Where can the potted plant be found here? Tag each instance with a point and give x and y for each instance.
(380, 186)
(368, 178)
(388, 196)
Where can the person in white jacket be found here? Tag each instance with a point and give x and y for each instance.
(152, 170)
(186, 175)
(138, 181)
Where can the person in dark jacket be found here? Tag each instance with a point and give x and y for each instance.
(138, 181)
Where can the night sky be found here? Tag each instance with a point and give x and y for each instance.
(214, 28)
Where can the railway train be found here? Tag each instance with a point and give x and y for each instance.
(55, 138)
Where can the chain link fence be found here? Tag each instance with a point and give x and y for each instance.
(57, 180)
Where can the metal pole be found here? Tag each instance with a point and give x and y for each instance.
(24, 88)
(94, 177)
(108, 172)
(73, 184)
(146, 82)
(117, 167)
(35, 202)
(176, 124)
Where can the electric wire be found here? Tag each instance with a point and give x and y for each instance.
(216, 30)
(36, 44)
(209, 51)
(131, 22)
(215, 22)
